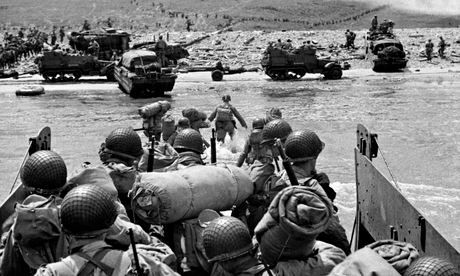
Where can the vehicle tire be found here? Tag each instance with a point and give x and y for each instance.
(31, 90)
(110, 74)
(217, 75)
(334, 73)
(76, 75)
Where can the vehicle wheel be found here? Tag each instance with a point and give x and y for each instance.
(276, 75)
(110, 74)
(217, 75)
(76, 75)
(334, 73)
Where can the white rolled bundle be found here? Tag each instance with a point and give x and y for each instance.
(167, 197)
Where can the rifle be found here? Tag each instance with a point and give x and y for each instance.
(286, 163)
(213, 148)
(139, 270)
(151, 153)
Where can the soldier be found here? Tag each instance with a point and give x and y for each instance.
(279, 44)
(87, 214)
(263, 170)
(272, 114)
(252, 149)
(109, 22)
(86, 26)
(119, 155)
(188, 23)
(93, 48)
(53, 36)
(442, 47)
(429, 49)
(182, 124)
(303, 148)
(227, 242)
(347, 39)
(197, 120)
(21, 33)
(61, 34)
(288, 45)
(224, 119)
(287, 233)
(189, 145)
(43, 176)
(160, 49)
(384, 26)
(374, 24)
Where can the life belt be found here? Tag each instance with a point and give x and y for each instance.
(30, 90)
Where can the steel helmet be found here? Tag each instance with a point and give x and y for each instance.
(124, 142)
(226, 238)
(189, 139)
(258, 123)
(86, 209)
(277, 128)
(183, 122)
(431, 266)
(303, 145)
(226, 98)
(45, 170)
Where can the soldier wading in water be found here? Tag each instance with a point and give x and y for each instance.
(224, 119)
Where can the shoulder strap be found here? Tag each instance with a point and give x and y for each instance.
(94, 262)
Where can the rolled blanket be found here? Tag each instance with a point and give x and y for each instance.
(399, 254)
(295, 217)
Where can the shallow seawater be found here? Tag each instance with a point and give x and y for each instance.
(417, 118)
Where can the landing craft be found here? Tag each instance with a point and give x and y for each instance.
(382, 211)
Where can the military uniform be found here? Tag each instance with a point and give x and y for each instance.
(87, 213)
(224, 119)
(227, 243)
(442, 47)
(160, 49)
(429, 49)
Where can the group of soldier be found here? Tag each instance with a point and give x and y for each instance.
(23, 45)
(429, 46)
(88, 224)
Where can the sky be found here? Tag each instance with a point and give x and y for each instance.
(445, 7)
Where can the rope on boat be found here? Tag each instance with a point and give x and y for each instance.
(395, 183)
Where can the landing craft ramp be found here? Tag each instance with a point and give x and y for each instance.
(384, 213)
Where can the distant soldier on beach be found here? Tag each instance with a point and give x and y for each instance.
(109, 22)
(429, 49)
(160, 50)
(442, 47)
(53, 36)
(189, 23)
(61, 34)
(279, 44)
(21, 33)
(374, 23)
(86, 26)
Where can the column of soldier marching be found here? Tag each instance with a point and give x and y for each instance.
(156, 210)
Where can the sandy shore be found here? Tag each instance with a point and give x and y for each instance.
(241, 48)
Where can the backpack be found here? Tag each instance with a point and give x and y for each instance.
(224, 113)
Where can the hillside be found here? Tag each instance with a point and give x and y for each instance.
(209, 15)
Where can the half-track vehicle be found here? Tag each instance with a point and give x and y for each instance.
(139, 74)
(281, 64)
(58, 65)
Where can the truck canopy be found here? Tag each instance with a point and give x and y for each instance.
(134, 58)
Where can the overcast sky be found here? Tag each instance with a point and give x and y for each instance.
(451, 7)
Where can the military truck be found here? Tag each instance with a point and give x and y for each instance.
(109, 40)
(387, 55)
(140, 74)
(173, 52)
(281, 64)
(58, 65)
